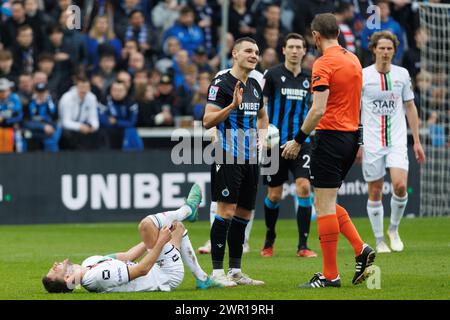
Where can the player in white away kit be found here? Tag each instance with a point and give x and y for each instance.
(161, 269)
(387, 97)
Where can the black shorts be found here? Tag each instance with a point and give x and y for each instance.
(235, 183)
(298, 167)
(332, 156)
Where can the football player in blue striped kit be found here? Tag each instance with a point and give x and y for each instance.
(235, 107)
(287, 97)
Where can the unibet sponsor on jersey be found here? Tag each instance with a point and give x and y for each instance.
(293, 93)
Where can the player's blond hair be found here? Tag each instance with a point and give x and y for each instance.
(377, 36)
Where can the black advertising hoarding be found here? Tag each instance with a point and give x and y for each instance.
(117, 186)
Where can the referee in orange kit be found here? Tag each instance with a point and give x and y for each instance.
(336, 87)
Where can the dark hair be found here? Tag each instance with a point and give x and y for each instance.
(45, 56)
(377, 36)
(343, 6)
(19, 2)
(55, 286)
(5, 54)
(382, 1)
(81, 77)
(186, 10)
(108, 54)
(293, 35)
(326, 25)
(23, 28)
(133, 12)
(55, 28)
(244, 39)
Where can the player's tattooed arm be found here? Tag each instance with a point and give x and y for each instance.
(144, 266)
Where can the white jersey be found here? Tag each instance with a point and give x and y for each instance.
(382, 107)
(106, 274)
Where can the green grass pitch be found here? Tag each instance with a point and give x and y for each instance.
(420, 272)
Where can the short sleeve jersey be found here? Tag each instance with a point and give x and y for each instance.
(383, 110)
(340, 71)
(237, 134)
(104, 274)
(288, 100)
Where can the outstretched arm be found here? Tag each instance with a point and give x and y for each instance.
(292, 148)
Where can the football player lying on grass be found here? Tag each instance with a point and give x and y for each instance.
(165, 245)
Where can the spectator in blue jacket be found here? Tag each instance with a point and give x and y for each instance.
(189, 34)
(11, 113)
(42, 118)
(10, 107)
(118, 119)
(102, 40)
(386, 23)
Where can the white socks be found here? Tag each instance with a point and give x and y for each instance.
(398, 206)
(218, 272)
(376, 214)
(165, 219)
(189, 257)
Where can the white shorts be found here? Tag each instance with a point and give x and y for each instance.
(374, 163)
(166, 275)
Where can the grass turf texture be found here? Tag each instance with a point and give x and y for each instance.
(420, 272)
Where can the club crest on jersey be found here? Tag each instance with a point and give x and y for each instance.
(306, 84)
(213, 90)
(255, 92)
(283, 78)
(225, 192)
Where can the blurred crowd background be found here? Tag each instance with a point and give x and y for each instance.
(148, 63)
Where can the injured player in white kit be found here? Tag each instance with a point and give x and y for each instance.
(165, 245)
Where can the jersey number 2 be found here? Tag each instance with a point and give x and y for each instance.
(307, 159)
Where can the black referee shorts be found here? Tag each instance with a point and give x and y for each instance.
(332, 156)
(299, 167)
(235, 183)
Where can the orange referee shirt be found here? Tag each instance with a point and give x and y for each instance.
(341, 71)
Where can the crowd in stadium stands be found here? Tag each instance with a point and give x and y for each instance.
(143, 63)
